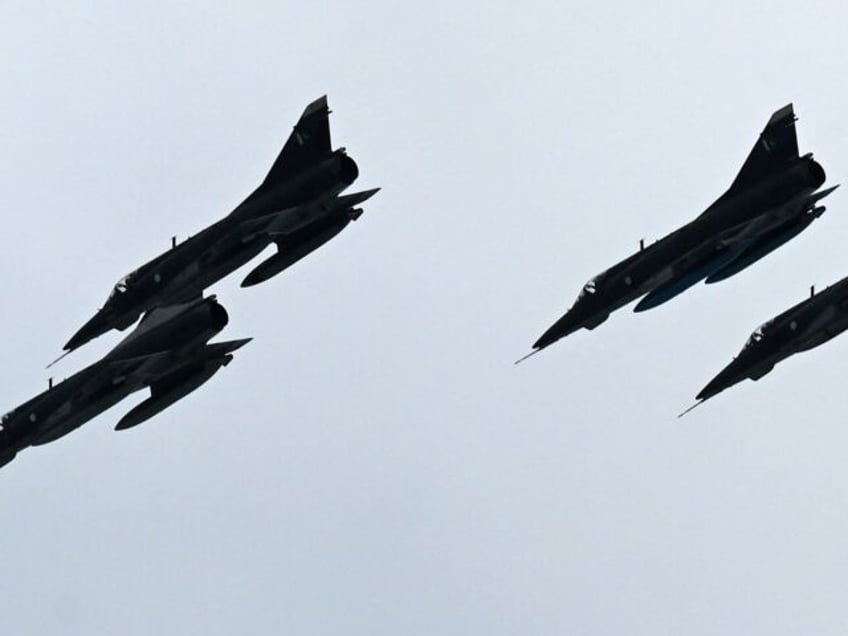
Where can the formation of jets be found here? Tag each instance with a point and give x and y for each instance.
(775, 196)
(301, 205)
(298, 207)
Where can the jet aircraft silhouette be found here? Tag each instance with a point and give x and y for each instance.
(774, 197)
(168, 352)
(298, 207)
(808, 324)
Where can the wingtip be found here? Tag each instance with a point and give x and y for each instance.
(241, 342)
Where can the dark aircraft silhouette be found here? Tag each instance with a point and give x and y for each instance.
(298, 207)
(773, 199)
(168, 352)
(808, 324)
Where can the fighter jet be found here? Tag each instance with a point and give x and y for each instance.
(808, 324)
(298, 207)
(774, 198)
(168, 353)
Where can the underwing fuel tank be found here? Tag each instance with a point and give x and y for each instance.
(287, 256)
(765, 246)
(685, 280)
(181, 386)
(155, 404)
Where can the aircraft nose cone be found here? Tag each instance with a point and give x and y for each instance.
(725, 379)
(97, 326)
(708, 391)
(561, 328)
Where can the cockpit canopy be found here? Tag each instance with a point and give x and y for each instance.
(121, 286)
(589, 288)
(758, 334)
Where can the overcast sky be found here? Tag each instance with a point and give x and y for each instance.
(373, 463)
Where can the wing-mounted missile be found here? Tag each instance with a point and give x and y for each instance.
(172, 388)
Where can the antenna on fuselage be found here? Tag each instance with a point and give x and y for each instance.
(641, 244)
(812, 290)
(173, 242)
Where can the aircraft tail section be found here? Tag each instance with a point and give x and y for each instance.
(308, 144)
(776, 145)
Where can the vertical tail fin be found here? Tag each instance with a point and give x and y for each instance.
(308, 144)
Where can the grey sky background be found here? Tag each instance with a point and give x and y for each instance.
(373, 463)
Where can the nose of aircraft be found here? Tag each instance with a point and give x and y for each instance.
(566, 325)
(728, 376)
(98, 325)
